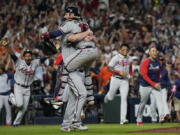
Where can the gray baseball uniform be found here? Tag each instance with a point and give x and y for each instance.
(121, 64)
(5, 89)
(75, 81)
(24, 77)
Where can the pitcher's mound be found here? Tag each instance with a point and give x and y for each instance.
(161, 130)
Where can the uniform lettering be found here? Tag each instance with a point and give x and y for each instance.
(26, 71)
(124, 63)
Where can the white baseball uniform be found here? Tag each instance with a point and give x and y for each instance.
(121, 64)
(5, 89)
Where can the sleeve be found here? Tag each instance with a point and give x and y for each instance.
(42, 60)
(58, 60)
(14, 57)
(66, 38)
(144, 72)
(66, 28)
(112, 62)
(37, 62)
(55, 33)
(10, 75)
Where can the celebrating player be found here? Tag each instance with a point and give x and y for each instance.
(119, 66)
(165, 86)
(24, 76)
(78, 52)
(150, 83)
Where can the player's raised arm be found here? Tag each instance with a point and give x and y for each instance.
(9, 64)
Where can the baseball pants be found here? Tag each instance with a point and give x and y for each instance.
(4, 102)
(123, 86)
(77, 97)
(153, 105)
(80, 58)
(22, 96)
(145, 95)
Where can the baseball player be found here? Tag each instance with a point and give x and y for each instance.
(24, 76)
(119, 66)
(165, 85)
(71, 25)
(149, 83)
(5, 90)
(72, 63)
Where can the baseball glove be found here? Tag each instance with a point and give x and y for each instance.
(4, 42)
(48, 47)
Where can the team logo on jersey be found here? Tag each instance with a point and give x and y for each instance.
(26, 71)
(124, 63)
(152, 67)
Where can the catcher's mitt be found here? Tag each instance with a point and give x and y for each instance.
(48, 47)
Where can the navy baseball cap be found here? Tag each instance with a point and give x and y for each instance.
(27, 51)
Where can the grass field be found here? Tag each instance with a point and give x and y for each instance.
(94, 129)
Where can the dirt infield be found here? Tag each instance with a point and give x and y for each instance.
(161, 130)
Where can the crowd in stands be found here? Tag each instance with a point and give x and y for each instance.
(139, 23)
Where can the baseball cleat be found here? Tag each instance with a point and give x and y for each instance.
(124, 122)
(80, 127)
(165, 118)
(63, 129)
(139, 123)
(11, 99)
(55, 104)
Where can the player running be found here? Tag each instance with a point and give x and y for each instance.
(119, 66)
(24, 76)
(150, 83)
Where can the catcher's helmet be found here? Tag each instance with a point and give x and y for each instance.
(48, 47)
(72, 10)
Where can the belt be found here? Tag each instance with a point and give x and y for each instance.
(86, 47)
(119, 77)
(25, 86)
(5, 93)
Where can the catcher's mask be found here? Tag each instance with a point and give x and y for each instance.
(48, 47)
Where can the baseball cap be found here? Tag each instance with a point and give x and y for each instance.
(27, 51)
